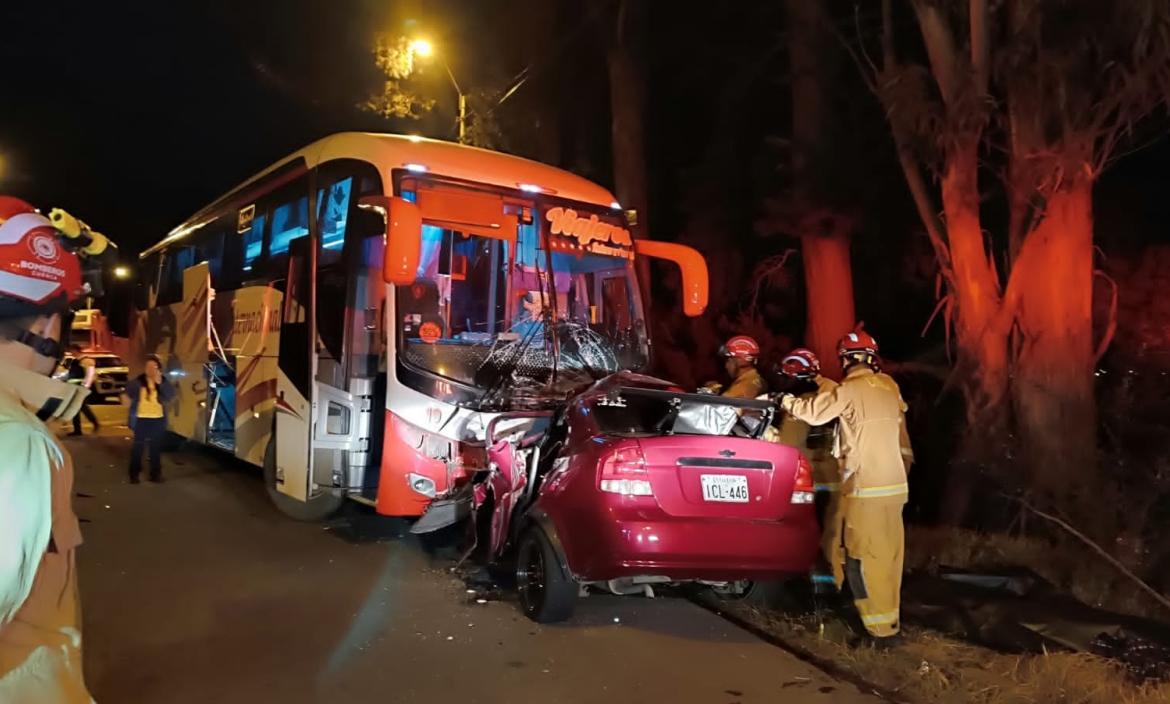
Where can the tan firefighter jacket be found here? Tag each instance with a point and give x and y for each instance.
(795, 433)
(40, 617)
(874, 445)
(749, 384)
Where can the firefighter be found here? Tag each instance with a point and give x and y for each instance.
(876, 457)
(802, 370)
(40, 620)
(739, 361)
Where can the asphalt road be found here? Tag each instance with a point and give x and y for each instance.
(197, 590)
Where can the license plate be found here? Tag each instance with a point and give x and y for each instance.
(731, 488)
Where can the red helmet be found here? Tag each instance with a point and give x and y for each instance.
(37, 273)
(801, 363)
(742, 347)
(859, 345)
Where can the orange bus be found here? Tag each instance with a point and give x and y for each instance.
(352, 318)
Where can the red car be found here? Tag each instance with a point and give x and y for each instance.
(636, 483)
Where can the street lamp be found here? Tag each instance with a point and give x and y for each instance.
(423, 48)
(121, 272)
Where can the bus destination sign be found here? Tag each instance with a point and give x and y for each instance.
(591, 234)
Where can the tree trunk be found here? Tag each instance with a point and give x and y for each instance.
(627, 99)
(1053, 381)
(627, 108)
(980, 335)
(824, 240)
(538, 22)
(828, 279)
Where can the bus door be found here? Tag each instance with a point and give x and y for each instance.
(294, 377)
(350, 295)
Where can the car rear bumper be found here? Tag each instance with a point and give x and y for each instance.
(693, 548)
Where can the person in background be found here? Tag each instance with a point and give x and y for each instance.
(40, 610)
(83, 372)
(529, 324)
(149, 393)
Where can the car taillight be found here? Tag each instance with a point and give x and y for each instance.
(623, 471)
(802, 484)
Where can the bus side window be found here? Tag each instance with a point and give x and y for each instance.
(281, 217)
(147, 281)
(209, 248)
(175, 262)
(290, 221)
(334, 202)
(252, 243)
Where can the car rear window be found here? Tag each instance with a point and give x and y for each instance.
(655, 413)
(108, 362)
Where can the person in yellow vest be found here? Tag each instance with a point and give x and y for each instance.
(40, 614)
(876, 457)
(739, 361)
(802, 369)
(149, 393)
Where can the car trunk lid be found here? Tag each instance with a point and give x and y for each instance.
(699, 476)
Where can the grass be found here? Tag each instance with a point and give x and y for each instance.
(931, 669)
(1067, 563)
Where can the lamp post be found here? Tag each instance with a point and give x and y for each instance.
(423, 48)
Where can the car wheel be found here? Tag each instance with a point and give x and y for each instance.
(547, 594)
(315, 509)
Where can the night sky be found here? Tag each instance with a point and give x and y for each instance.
(135, 117)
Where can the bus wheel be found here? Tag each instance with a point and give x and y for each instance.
(317, 508)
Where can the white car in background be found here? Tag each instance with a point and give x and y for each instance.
(112, 373)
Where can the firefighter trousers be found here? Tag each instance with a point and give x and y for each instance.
(832, 569)
(874, 543)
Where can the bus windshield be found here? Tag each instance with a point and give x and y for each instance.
(487, 317)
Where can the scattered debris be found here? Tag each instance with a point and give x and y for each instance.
(1143, 659)
(1017, 611)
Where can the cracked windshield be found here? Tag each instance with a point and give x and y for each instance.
(482, 313)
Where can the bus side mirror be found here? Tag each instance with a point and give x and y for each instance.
(403, 237)
(692, 265)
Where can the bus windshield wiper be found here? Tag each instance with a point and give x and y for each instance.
(508, 367)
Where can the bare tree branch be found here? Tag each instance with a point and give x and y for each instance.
(867, 75)
(861, 39)
(980, 46)
(918, 190)
(940, 47)
(1111, 324)
(1096, 548)
(767, 269)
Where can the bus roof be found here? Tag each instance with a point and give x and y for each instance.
(394, 151)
